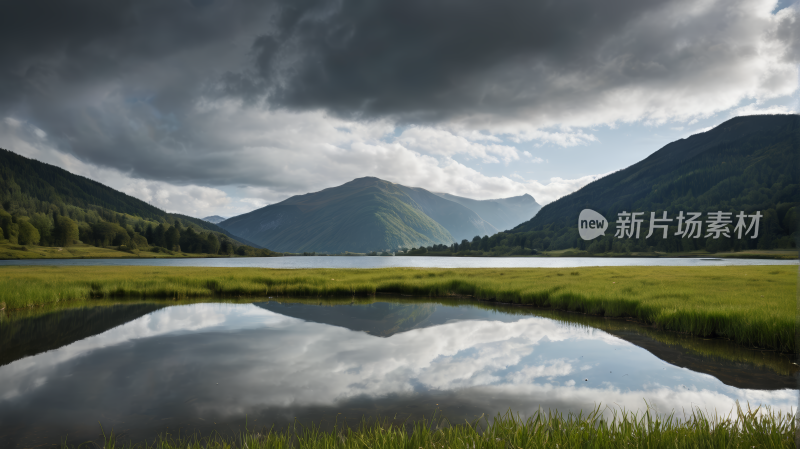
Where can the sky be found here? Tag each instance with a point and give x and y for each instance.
(219, 107)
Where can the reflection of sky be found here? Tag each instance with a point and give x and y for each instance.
(229, 360)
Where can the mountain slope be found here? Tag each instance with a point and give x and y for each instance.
(503, 213)
(745, 164)
(366, 214)
(29, 187)
(460, 221)
(44, 182)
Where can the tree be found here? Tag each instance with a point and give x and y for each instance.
(138, 241)
(65, 232)
(159, 237)
(28, 234)
(212, 244)
(44, 225)
(121, 237)
(226, 247)
(148, 234)
(476, 243)
(172, 239)
(5, 223)
(104, 233)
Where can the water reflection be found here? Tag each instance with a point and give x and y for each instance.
(207, 366)
(24, 337)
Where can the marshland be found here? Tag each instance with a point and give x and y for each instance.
(750, 305)
(254, 357)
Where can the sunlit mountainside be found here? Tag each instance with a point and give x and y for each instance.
(367, 214)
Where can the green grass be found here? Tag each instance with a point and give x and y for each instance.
(753, 305)
(83, 251)
(740, 429)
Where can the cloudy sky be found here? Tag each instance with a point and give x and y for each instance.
(222, 106)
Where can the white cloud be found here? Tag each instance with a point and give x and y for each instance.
(444, 143)
(255, 202)
(755, 109)
(294, 153)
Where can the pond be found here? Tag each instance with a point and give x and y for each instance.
(296, 262)
(145, 368)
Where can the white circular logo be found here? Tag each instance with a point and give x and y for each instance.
(591, 224)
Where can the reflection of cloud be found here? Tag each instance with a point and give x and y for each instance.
(292, 363)
(526, 399)
(529, 373)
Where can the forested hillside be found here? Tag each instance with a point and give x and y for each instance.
(44, 205)
(749, 164)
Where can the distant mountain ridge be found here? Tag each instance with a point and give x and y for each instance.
(214, 219)
(366, 214)
(503, 213)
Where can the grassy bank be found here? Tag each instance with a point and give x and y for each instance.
(82, 251)
(741, 429)
(752, 305)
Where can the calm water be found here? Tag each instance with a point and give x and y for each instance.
(407, 261)
(141, 369)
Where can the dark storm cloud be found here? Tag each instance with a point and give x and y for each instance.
(430, 59)
(111, 81)
(152, 87)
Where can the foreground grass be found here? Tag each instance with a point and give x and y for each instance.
(746, 429)
(751, 305)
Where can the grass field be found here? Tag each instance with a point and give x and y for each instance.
(82, 251)
(741, 429)
(752, 305)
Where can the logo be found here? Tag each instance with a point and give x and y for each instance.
(591, 224)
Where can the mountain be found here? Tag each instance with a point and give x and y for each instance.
(35, 192)
(215, 219)
(745, 164)
(503, 213)
(24, 337)
(460, 221)
(380, 319)
(366, 214)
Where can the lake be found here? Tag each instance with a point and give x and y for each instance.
(296, 262)
(150, 367)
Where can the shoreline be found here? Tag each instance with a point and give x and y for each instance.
(83, 251)
(752, 305)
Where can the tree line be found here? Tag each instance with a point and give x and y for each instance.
(778, 229)
(114, 230)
